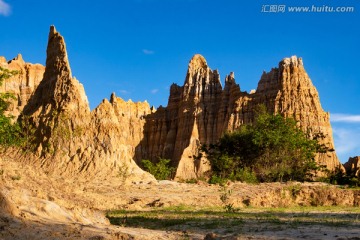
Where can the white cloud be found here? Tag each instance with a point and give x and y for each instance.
(154, 91)
(346, 131)
(5, 9)
(346, 139)
(145, 51)
(124, 92)
(338, 117)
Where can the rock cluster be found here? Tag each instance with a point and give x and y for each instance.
(201, 111)
(71, 139)
(113, 135)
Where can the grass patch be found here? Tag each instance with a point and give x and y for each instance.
(183, 217)
(146, 222)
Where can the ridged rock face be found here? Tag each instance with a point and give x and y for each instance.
(23, 84)
(176, 132)
(59, 105)
(117, 128)
(353, 166)
(201, 111)
(71, 139)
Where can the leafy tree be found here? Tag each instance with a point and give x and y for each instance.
(9, 131)
(161, 170)
(273, 148)
(5, 97)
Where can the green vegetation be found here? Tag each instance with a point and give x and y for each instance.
(161, 170)
(271, 149)
(251, 219)
(9, 132)
(191, 181)
(294, 190)
(123, 172)
(27, 136)
(225, 195)
(61, 134)
(339, 177)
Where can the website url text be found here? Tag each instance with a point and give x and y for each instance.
(308, 9)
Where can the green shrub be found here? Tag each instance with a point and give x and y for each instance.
(340, 177)
(271, 149)
(27, 134)
(10, 133)
(191, 181)
(161, 170)
(123, 172)
(245, 175)
(217, 180)
(225, 195)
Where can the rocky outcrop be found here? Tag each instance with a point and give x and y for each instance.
(201, 111)
(117, 128)
(23, 84)
(72, 140)
(352, 167)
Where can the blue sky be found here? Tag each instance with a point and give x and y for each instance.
(138, 48)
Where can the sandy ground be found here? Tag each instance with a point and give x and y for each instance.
(35, 204)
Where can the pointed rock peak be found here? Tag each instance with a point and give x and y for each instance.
(52, 31)
(291, 61)
(175, 90)
(112, 98)
(57, 60)
(18, 59)
(197, 61)
(58, 91)
(153, 109)
(230, 79)
(2, 59)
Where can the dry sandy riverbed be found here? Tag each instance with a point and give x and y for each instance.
(37, 205)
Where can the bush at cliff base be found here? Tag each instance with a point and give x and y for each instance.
(9, 131)
(271, 149)
(160, 170)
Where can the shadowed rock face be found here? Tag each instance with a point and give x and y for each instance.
(199, 112)
(352, 166)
